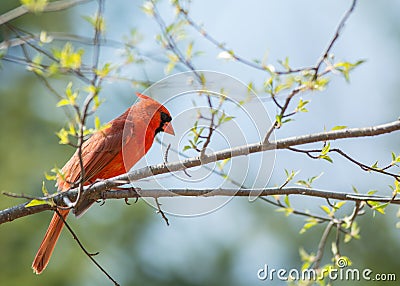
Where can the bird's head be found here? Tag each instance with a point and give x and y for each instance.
(160, 118)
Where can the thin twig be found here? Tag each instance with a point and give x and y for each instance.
(274, 125)
(160, 211)
(166, 153)
(356, 211)
(343, 154)
(172, 45)
(297, 212)
(88, 254)
(19, 196)
(321, 245)
(95, 82)
(339, 29)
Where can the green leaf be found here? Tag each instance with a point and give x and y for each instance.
(250, 87)
(338, 205)
(303, 183)
(375, 166)
(309, 224)
(395, 159)
(69, 58)
(285, 63)
(50, 177)
(44, 38)
(301, 106)
(326, 157)
(34, 5)
(346, 67)
(44, 189)
(309, 181)
(396, 188)
(291, 175)
(173, 60)
(53, 69)
(326, 148)
(36, 202)
(223, 118)
(97, 102)
(71, 96)
(58, 172)
(189, 51)
(314, 178)
(327, 210)
(339, 127)
(3, 52)
(36, 65)
(89, 131)
(306, 258)
(318, 84)
(287, 211)
(92, 89)
(347, 238)
(63, 102)
(63, 136)
(380, 207)
(284, 86)
(104, 71)
(72, 130)
(97, 123)
(278, 119)
(223, 163)
(286, 200)
(148, 8)
(354, 232)
(187, 147)
(97, 21)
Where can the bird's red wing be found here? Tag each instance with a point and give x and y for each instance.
(97, 152)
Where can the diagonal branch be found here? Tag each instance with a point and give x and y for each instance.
(50, 7)
(321, 245)
(339, 29)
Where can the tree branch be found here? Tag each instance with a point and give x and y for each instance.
(50, 7)
(59, 199)
(101, 189)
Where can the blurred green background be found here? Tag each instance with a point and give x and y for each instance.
(226, 247)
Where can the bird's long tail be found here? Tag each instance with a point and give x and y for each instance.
(49, 242)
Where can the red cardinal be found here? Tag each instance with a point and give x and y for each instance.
(107, 153)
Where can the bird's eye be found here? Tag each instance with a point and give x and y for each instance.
(165, 117)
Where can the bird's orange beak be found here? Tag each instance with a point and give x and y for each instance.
(168, 128)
